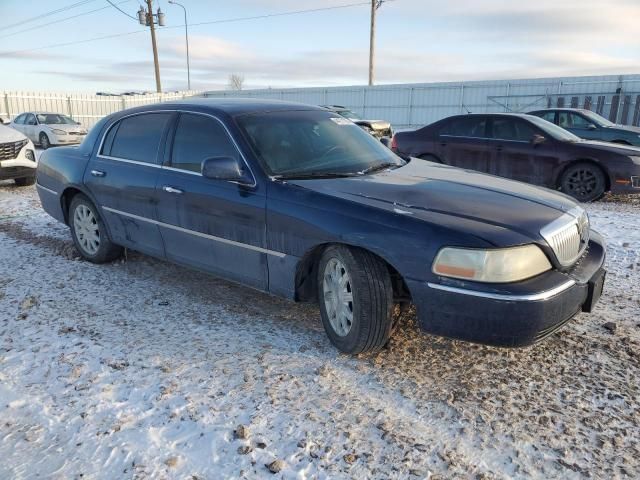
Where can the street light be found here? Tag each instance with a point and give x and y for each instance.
(186, 37)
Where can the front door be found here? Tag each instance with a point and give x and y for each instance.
(122, 178)
(214, 225)
(515, 156)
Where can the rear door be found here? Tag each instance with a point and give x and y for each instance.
(462, 142)
(122, 178)
(213, 225)
(18, 123)
(31, 127)
(515, 156)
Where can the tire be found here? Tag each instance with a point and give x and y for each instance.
(89, 233)
(25, 181)
(584, 181)
(368, 284)
(430, 158)
(44, 141)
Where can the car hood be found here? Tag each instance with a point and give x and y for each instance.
(8, 134)
(66, 127)
(374, 124)
(625, 128)
(609, 147)
(483, 205)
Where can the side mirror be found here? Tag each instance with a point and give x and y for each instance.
(592, 127)
(537, 140)
(386, 141)
(226, 168)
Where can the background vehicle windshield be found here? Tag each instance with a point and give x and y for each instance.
(598, 119)
(301, 143)
(55, 119)
(553, 130)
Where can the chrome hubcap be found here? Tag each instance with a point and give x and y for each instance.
(338, 296)
(85, 225)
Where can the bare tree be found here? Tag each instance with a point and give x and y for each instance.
(236, 82)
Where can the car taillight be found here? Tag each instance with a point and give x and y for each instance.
(394, 143)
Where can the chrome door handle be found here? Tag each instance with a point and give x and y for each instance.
(98, 173)
(169, 189)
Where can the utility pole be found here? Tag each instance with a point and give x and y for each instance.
(148, 18)
(375, 5)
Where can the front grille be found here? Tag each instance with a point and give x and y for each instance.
(568, 236)
(76, 133)
(9, 151)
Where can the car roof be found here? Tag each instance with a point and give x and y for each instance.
(562, 109)
(239, 106)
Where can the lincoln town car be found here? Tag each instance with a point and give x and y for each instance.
(299, 202)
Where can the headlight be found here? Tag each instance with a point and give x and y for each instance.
(492, 266)
(58, 132)
(29, 155)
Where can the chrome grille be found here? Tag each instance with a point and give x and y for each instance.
(9, 151)
(568, 236)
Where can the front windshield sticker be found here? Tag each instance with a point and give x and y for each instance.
(341, 121)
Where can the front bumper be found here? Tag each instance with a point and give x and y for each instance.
(514, 315)
(20, 166)
(66, 139)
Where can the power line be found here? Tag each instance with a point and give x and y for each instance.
(120, 10)
(60, 20)
(228, 20)
(42, 15)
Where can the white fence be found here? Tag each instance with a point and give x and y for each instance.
(616, 97)
(84, 108)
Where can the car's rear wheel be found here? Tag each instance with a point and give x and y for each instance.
(44, 141)
(584, 181)
(25, 181)
(89, 233)
(356, 299)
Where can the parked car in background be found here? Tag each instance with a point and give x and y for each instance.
(377, 128)
(296, 201)
(17, 157)
(589, 125)
(49, 129)
(529, 149)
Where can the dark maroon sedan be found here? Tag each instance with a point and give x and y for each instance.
(529, 149)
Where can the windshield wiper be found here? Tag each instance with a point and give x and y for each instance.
(381, 166)
(303, 176)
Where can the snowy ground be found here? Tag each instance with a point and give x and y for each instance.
(141, 369)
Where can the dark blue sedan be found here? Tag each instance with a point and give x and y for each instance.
(299, 202)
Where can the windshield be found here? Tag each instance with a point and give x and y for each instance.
(55, 119)
(553, 130)
(597, 119)
(348, 114)
(314, 143)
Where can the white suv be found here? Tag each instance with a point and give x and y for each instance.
(48, 129)
(17, 157)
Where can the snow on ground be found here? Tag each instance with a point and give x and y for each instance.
(142, 369)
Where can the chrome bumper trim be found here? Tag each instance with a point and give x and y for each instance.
(532, 297)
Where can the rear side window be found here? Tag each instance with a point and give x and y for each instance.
(19, 119)
(197, 138)
(548, 116)
(510, 129)
(466, 127)
(136, 138)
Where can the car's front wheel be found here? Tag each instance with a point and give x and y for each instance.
(356, 299)
(89, 233)
(44, 141)
(584, 181)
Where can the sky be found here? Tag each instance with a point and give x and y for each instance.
(417, 41)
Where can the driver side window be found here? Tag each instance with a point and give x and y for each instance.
(31, 119)
(578, 121)
(197, 138)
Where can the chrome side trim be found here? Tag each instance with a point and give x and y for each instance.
(47, 189)
(532, 297)
(197, 234)
(133, 162)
